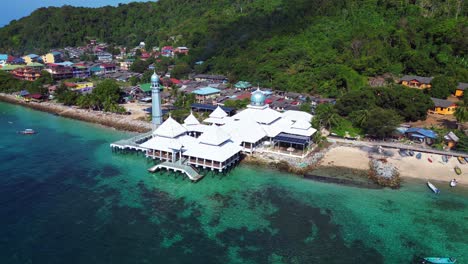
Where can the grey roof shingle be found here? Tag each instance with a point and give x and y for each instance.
(442, 103)
(462, 86)
(420, 79)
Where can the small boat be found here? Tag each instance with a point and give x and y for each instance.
(434, 260)
(457, 170)
(444, 158)
(403, 153)
(461, 160)
(411, 153)
(433, 188)
(429, 159)
(418, 156)
(453, 183)
(28, 131)
(466, 159)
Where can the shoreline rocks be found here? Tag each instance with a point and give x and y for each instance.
(120, 122)
(384, 173)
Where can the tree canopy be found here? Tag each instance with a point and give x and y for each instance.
(323, 47)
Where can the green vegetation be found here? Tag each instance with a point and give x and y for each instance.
(461, 113)
(105, 97)
(442, 87)
(9, 84)
(323, 47)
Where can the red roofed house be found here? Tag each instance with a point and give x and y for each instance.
(108, 68)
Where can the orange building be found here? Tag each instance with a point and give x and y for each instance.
(416, 81)
(26, 73)
(461, 89)
(443, 107)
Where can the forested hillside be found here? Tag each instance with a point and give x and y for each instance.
(326, 47)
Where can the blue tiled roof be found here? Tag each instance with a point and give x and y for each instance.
(3, 56)
(32, 56)
(425, 132)
(206, 91)
(56, 53)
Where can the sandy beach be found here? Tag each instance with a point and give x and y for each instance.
(121, 122)
(359, 157)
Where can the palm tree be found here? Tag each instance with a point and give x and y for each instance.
(461, 113)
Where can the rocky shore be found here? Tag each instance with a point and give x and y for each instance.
(384, 173)
(117, 121)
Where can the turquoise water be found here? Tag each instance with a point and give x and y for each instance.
(66, 198)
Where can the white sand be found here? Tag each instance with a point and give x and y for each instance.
(348, 157)
(354, 157)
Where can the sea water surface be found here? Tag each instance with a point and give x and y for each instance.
(66, 198)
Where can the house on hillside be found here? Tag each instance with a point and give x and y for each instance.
(205, 93)
(181, 50)
(242, 85)
(418, 82)
(167, 51)
(108, 68)
(421, 135)
(60, 72)
(31, 58)
(451, 140)
(210, 78)
(443, 107)
(26, 73)
(104, 56)
(461, 87)
(3, 59)
(52, 57)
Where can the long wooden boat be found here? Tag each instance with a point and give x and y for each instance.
(442, 260)
(444, 158)
(418, 156)
(457, 170)
(28, 131)
(433, 188)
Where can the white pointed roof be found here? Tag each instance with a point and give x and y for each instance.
(170, 129)
(214, 135)
(191, 120)
(301, 124)
(218, 113)
(245, 130)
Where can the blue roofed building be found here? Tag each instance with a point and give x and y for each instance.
(31, 58)
(206, 93)
(421, 135)
(3, 59)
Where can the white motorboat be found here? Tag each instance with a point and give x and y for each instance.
(433, 188)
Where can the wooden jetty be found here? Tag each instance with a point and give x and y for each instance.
(178, 166)
(132, 143)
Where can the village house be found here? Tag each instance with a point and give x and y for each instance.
(3, 59)
(451, 140)
(26, 73)
(60, 72)
(242, 85)
(203, 94)
(167, 51)
(107, 68)
(421, 135)
(210, 78)
(104, 56)
(125, 65)
(461, 87)
(181, 50)
(52, 57)
(31, 58)
(416, 81)
(81, 71)
(443, 107)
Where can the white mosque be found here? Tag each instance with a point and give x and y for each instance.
(217, 142)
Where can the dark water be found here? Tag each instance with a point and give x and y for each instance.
(66, 198)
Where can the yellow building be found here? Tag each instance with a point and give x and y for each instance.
(461, 89)
(416, 81)
(81, 85)
(52, 57)
(443, 107)
(30, 58)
